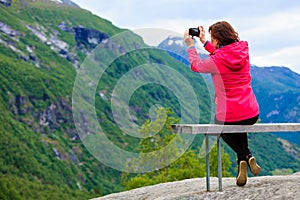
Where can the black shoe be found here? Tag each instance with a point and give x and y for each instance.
(254, 167)
(241, 179)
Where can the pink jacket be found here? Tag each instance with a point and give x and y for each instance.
(230, 70)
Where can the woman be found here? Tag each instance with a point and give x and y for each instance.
(236, 104)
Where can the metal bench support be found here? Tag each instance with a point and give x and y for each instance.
(219, 163)
(207, 161)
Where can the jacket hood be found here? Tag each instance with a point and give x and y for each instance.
(233, 56)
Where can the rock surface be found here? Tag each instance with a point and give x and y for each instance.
(6, 2)
(263, 187)
(89, 36)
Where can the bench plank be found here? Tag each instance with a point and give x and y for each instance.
(217, 129)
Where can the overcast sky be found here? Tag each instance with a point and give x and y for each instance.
(271, 27)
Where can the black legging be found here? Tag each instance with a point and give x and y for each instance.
(238, 141)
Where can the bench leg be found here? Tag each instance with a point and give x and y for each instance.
(219, 163)
(207, 162)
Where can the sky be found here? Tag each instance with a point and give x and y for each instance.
(271, 27)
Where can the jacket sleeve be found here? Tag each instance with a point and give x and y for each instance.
(209, 47)
(201, 66)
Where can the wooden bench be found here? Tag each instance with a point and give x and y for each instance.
(217, 130)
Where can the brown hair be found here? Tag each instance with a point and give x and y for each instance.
(224, 33)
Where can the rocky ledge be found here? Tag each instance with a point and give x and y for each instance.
(262, 187)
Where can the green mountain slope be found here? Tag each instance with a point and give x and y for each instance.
(41, 153)
(278, 91)
(42, 47)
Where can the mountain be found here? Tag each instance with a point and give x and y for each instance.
(65, 2)
(276, 88)
(41, 154)
(175, 46)
(8, 3)
(44, 46)
(278, 92)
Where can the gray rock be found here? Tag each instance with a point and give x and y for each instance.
(262, 187)
(66, 2)
(88, 36)
(8, 30)
(63, 26)
(6, 2)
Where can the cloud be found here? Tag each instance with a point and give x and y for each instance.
(288, 57)
(276, 29)
(273, 39)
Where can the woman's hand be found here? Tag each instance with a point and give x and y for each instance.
(202, 34)
(188, 40)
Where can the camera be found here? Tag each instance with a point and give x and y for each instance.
(194, 31)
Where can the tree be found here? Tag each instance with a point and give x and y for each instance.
(225, 159)
(158, 134)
